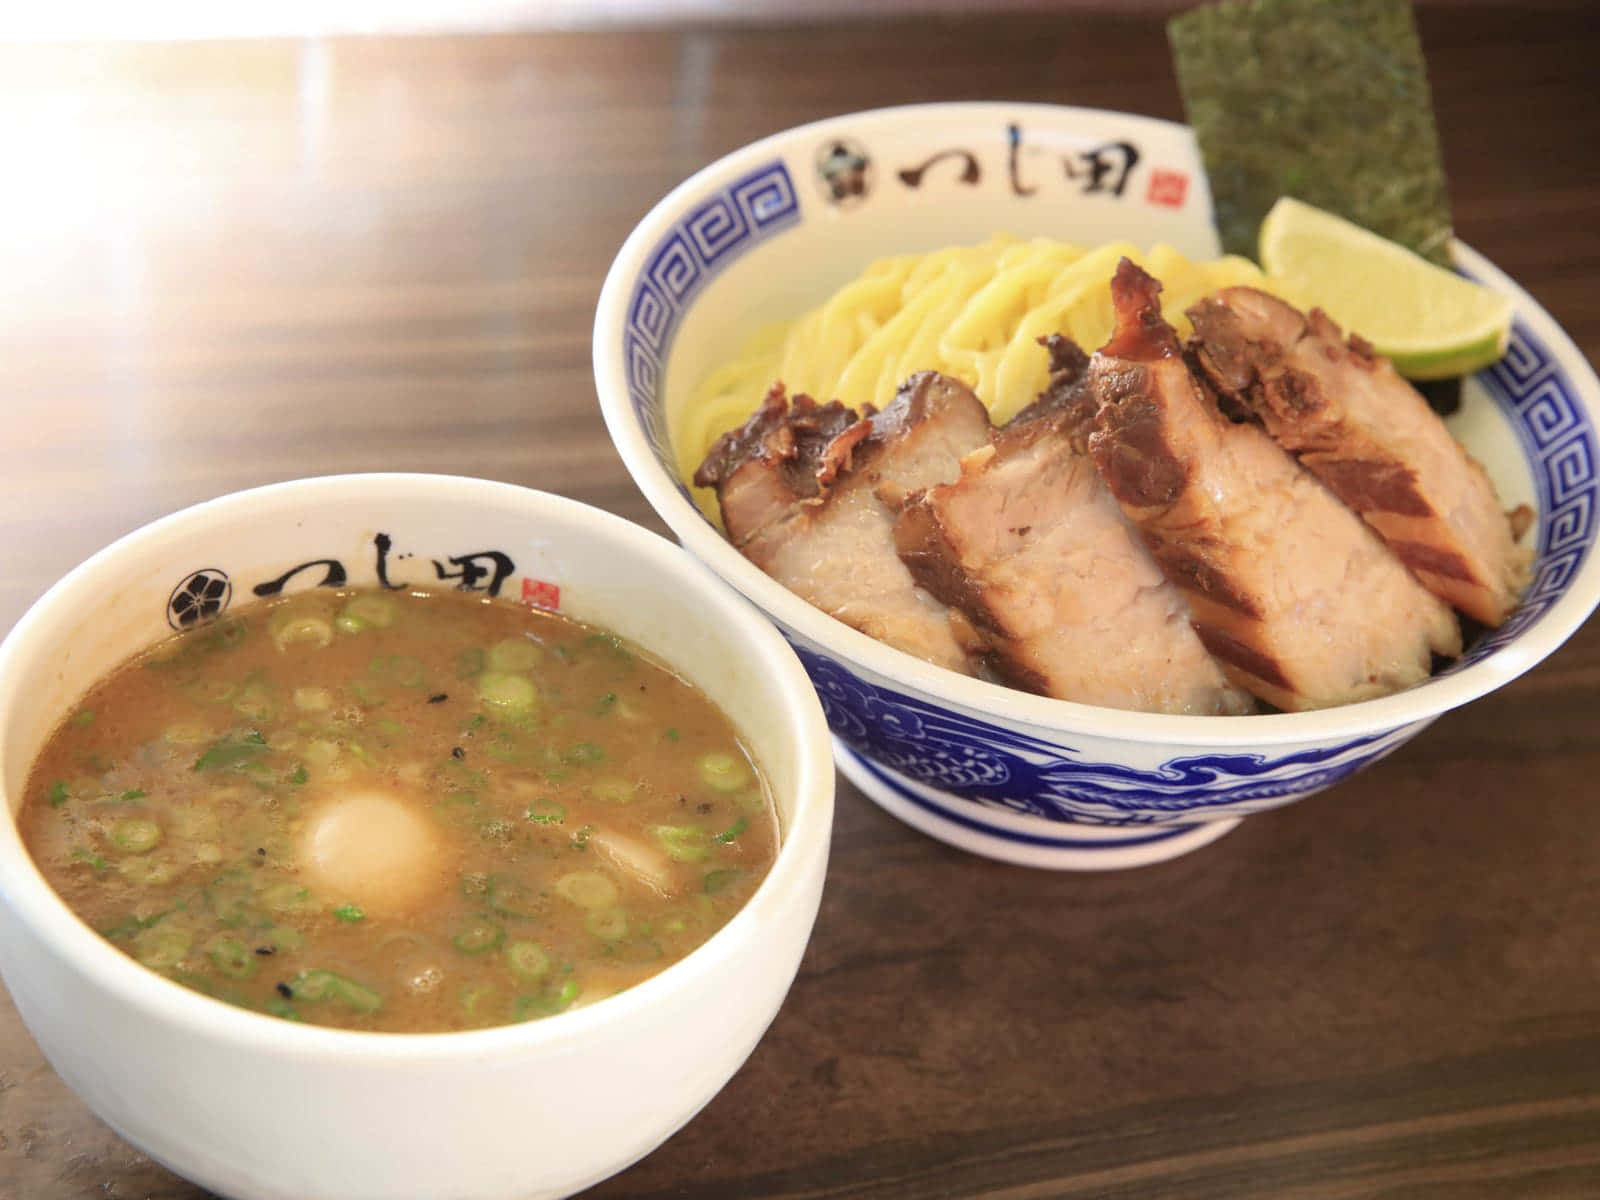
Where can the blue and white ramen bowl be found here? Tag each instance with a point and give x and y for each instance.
(772, 229)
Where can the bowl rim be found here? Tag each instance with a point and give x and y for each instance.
(904, 671)
(32, 901)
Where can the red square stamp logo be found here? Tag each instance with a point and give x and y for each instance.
(541, 593)
(1167, 187)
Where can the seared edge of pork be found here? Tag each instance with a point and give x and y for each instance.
(1351, 420)
(1298, 599)
(799, 487)
(1060, 595)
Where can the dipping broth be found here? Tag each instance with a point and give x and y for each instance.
(400, 811)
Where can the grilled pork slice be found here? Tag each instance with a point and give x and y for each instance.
(1289, 589)
(799, 491)
(1350, 419)
(1061, 596)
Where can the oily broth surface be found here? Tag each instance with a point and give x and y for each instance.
(400, 811)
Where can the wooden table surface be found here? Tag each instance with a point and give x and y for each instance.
(229, 264)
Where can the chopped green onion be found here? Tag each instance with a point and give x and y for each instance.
(587, 889)
(528, 960)
(369, 695)
(683, 842)
(672, 734)
(163, 947)
(290, 629)
(232, 752)
(733, 831)
(511, 897)
(287, 896)
(478, 936)
(614, 790)
(299, 775)
(607, 924)
(132, 794)
(584, 752)
(507, 695)
(545, 811)
(723, 771)
(368, 609)
(349, 913)
(229, 896)
(83, 718)
(605, 704)
(131, 924)
(58, 793)
(137, 835)
(256, 701)
(475, 999)
(715, 881)
(232, 957)
(580, 839)
(546, 1003)
(90, 857)
(513, 654)
(147, 872)
(318, 983)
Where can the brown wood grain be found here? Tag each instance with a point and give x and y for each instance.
(228, 264)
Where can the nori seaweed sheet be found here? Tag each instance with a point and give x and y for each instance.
(1323, 100)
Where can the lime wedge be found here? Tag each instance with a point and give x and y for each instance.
(1433, 324)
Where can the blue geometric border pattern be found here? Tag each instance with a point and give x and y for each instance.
(722, 227)
(1011, 771)
(1148, 835)
(1559, 443)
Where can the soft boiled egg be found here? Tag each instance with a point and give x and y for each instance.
(371, 848)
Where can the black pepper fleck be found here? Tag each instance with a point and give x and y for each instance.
(703, 807)
(265, 950)
(262, 851)
(439, 699)
(286, 991)
(457, 752)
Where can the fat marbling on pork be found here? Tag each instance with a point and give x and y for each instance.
(808, 493)
(1290, 590)
(1351, 420)
(1060, 595)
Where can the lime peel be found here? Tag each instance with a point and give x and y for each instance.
(1431, 323)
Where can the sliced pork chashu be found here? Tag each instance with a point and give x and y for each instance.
(1297, 597)
(1062, 597)
(799, 488)
(1351, 420)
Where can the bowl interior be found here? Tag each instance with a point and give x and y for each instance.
(771, 230)
(419, 531)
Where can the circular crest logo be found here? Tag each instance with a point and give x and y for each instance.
(202, 595)
(844, 170)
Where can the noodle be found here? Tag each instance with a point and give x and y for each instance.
(973, 312)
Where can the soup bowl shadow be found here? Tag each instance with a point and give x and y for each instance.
(770, 230)
(258, 1108)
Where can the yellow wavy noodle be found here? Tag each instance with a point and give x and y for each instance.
(973, 312)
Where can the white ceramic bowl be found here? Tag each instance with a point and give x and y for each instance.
(253, 1107)
(772, 229)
